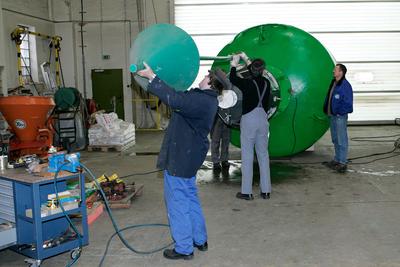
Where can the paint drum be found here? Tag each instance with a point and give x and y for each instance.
(230, 107)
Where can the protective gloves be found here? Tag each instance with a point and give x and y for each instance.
(235, 60)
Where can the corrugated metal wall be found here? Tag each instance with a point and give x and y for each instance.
(364, 35)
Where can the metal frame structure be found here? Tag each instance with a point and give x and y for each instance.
(55, 41)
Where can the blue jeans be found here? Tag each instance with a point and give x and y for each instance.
(339, 137)
(186, 219)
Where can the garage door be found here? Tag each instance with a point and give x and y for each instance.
(364, 35)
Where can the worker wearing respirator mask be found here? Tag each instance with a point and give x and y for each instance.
(183, 151)
(254, 126)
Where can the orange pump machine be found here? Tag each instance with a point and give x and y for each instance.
(28, 116)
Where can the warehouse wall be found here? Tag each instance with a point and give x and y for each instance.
(109, 29)
(3, 83)
(37, 8)
(363, 34)
(111, 26)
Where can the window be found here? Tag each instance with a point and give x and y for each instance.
(28, 56)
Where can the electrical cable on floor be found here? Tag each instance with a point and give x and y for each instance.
(373, 138)
(351, 159)
(124, 229)
(74, 228)
(118, 231)
(374, 160)
(373, 155)
(139, 173)
(355, 158)
(358, 139)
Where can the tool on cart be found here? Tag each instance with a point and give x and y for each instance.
(24, 161)
(64, 162)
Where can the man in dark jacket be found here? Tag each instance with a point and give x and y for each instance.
(338, 104)
(183, 151)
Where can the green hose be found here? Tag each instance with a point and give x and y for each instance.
(117, 229)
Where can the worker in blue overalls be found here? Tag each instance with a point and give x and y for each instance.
(254, 126)
(183, 151)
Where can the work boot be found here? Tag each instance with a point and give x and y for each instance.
(225, 164)
(244, 196)
(330, 164)
(341, 168)
(216, 166)
(203, 247)
(171, 254)
(265, 195)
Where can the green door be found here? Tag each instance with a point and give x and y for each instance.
(108, 92)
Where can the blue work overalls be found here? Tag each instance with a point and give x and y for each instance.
(184, 211)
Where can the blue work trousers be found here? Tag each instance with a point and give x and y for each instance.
(186, 219)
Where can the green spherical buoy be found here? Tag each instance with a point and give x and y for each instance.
(170, 52)
(303, 69)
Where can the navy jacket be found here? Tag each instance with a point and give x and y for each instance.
(185, 143)
(341, 100)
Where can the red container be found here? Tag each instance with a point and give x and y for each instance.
(27, 117)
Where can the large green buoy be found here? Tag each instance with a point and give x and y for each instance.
(170, 52)
(298, 62)
(303, 69)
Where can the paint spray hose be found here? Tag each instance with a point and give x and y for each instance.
(118, 231)
(75, 257)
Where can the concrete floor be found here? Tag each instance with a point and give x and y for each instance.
(315, 217)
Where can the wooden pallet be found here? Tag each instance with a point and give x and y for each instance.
(94, 213)
(126, 202)
(110, 148)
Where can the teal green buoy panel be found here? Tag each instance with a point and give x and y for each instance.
(303, 69)
(170, 52)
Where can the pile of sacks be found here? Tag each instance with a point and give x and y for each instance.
(111, 131)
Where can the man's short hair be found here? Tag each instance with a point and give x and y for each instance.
(257, 67)
(342, 68)
(216, 85)
(219, 81)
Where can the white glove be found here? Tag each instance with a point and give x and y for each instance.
(235, 60)
(245, 58)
